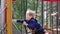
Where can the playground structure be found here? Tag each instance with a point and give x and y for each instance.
(6, 18)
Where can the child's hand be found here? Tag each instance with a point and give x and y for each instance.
(24, 23)
(14, 20)
(29, 30)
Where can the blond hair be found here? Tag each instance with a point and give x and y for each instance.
(31, 13)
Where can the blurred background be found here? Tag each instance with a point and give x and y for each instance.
(44, 9)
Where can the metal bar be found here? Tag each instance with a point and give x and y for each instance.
(25, 8)
(52, 17)
(25, 17)
(50, 14)
(26, 5)
(21, 8)
(47, 15)
(36, 6)
(16, 27)
(57, 18)
(42, 11)
(21, 16)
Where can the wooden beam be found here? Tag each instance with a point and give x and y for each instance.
(9, 17)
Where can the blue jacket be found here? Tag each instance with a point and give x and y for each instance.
(32, 23)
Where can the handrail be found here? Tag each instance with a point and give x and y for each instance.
(16, 27)
(53, 29)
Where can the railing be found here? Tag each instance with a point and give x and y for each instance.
(16, 28)
(22, 31)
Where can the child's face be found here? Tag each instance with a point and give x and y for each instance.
(28, 17)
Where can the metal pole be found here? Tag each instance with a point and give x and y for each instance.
(36, 6)
(52, 18)
(21, 16)
(26, 5)
(57, 17)
(47, 14)
(25, 17)
(42, 12)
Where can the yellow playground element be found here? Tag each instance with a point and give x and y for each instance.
(8, 5)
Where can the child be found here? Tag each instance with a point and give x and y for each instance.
(31, 22)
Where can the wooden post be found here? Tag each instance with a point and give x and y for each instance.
(9, 17)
